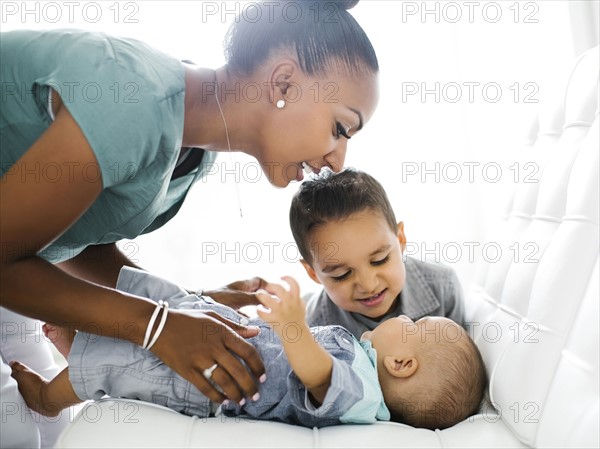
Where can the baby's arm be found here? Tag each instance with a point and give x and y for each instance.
(311, 363)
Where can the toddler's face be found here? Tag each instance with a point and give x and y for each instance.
(359, 262)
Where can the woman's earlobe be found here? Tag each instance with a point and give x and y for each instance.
(401, 367)
(282, 77)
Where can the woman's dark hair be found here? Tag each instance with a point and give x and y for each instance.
(323, 34)
(332, 197)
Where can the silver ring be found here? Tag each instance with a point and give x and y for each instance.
(208, 372)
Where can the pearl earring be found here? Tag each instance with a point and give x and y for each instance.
(280, 104)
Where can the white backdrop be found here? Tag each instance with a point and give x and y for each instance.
(460, 83)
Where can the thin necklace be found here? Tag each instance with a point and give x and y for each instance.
(237, 187)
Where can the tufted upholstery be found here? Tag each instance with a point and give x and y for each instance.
(541, 348)
(534, 315)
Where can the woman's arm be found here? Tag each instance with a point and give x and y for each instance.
(35, 211)
(99, 264)
(311, 363)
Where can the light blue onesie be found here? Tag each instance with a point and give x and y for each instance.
(128, 100)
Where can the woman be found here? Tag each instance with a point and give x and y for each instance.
(102, 137)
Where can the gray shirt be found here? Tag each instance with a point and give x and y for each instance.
(429, 290)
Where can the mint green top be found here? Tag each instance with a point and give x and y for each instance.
(371, 406)
(128, 100)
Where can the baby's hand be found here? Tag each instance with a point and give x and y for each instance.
(281, 306)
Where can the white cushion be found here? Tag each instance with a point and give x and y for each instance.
(125, 423)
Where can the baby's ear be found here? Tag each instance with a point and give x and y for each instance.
(401, 367)
(401, 236)
(311, 272)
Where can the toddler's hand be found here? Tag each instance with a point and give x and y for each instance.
(281, 306)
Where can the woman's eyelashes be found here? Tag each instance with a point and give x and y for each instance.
(341, 131)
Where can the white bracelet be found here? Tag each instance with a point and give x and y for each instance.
(161, 325)
(151, 324)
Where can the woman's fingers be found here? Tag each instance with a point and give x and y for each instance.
(239, 293)
(248, 285)
(233, 378)
(220, 375)
(236, 381)
(233, 342)
(217, 383)
(244, 331)
(232, 298)
(247, 292)
(206, 388)
(191, 345)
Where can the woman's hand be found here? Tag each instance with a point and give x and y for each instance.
(191, 344)
(239, 293)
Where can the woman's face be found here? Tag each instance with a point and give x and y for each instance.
(309, 128)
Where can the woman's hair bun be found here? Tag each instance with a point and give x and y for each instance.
(341, 4)
(347, 4)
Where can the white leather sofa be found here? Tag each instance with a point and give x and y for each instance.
(536, 320)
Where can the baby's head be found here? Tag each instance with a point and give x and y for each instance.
(431, 373)
(347, 235)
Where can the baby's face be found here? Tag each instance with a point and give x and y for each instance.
(402, 333)
(359, 262)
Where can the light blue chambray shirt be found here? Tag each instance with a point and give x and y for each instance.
(102, 365)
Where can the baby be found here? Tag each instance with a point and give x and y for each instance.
(426, 374)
